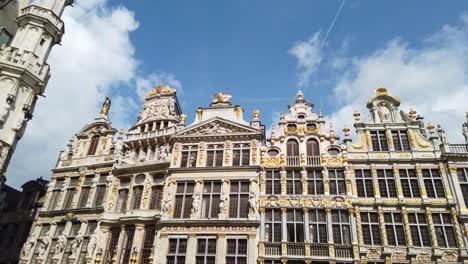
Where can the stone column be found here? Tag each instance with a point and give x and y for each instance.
(391, 146)
(262, 183)
(120, 243)
(331, 247)
(138, 238)
(383, 231)
(251, 248)
(443, 175)
(283, 182)
(375, 181)
(352, 176)
(221, 247)
(406, 226)
(430, 223)
(92, 192)
(191, 249)
(304, 182)
(306, 224)
(360, 236)
(262, 224)
(146, 195)
(284, 233)
(458, 230)
(421, 181)
(396, 175)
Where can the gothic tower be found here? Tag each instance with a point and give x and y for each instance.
(24, 72)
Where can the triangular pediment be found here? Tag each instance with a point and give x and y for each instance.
(217, 127)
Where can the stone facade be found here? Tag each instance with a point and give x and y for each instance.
(24, 72)
(220, 191)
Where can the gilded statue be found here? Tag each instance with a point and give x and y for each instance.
(221, 98)
(106, 106)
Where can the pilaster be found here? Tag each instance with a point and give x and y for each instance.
(191, 249)
(221, 245)
(138, 239)
(406, 226)
(432, 232)
(383, 231)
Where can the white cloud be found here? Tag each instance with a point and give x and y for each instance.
(96, 55)
(308, 57)
(433, 79)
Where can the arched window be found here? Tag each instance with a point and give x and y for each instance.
(292, 148)
(93, 145)
(312, 147)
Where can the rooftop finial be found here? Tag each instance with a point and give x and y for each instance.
(106, 106)
(300, 95)
(221, 99)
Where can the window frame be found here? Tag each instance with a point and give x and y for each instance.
(387, 184)
(185, 198)
(410, 183)
(241, 198)
(420, 238)
(364, 183)
(315, 183)
(337, 182)
(213, 197)
(434, 184)
(273, 182)
(178, 253)
(395, 228)
(294, 182)
(371, 228)
(379, 140)
(206, 257)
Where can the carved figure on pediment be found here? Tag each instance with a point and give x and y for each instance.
(171, 106)
(215, 128)
(398, 254)
(92, 244)
(316, 202)
(76, 243)
(45, 241)
(449, 256)
(28, 245)
(142, 157)
(253, 201)
(384, 113)
(61, 243)
(4, 112)
(126, 159)
(441, 133)
(373, 253)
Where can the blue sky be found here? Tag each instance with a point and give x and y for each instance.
(261, 52)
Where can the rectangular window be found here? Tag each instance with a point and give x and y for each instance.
(5, 36)
(177, 250)
(314, 182)
(73, 182)
(340, 227)
(206, 251)
(364, 184)
(337, 182)
(112, 245)
(394, 228)
(121, 205)
(239, 199)
(295, 225)
(318, 226)
(379, 140)
(241, 155)
(444, 229)
(433, 183)
(183, 199)
(92, 225)
(83, 197)
(156, 197)
(127, 246)
(370, 228)
(462, 174)
(148, 241)
(68, 198)
(53, 200)
(88, 180)
(400, 140)
(409, 183)
(293, 182)
(211, 199)
(236, 252)
(137, 194)
(99, 197)
(386, 183)
(189, 157)
(419, 230)
(214, 156)
(59, 183)
(273, 225)
(273, 182)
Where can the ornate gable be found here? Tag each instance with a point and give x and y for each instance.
(217, 127)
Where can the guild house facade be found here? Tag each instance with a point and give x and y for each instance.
(219, 190)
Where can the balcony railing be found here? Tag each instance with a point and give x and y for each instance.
(458, 148)
(316, 250)
(319, 250)
(150, 134)
(314, 161)
(295, 249)
(293, 161)
(343, 251)
(273, 249)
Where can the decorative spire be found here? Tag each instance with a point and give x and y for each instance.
(357, 115)
(300, 96)
(121, 132)
(346, 132)
(256, 114)
(412, 113)
(183, 118)
(273, 128)
(430, 128)
(320, 114)
(281, 115)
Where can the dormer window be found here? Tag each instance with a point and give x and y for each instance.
(300, 117)
(93, 145)
(291, 127)
(379, 140)
(311, 126)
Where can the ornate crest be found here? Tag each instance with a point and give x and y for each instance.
(373, 253)
(160, 89)
(424, 255)
(449, 256)
(221, 99)
(398, 254)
